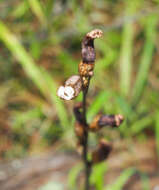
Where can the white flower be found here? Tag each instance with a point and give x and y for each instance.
(71, 88)
(66, 93)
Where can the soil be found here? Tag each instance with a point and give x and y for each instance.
(32, 173)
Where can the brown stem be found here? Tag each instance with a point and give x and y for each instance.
(87, 163)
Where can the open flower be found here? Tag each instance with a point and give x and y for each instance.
(66, 93)
(71, 89)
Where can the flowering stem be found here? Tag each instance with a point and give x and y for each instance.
(71, 89)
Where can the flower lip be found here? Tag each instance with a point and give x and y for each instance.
(71, 88)
(66, 93)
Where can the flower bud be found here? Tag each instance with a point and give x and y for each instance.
(71, 89)
(112, 120)
(85, 69)
(86, 66)
(106, 120)
(102, 152)
(88, 50)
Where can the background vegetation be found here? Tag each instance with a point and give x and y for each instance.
(40, 47)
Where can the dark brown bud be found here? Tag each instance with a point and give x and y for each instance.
(86, 66)
(71, 89)
(88, 50)
(106, 120)
(112, 120)
(102, 152)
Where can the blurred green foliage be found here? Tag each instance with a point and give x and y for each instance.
(40, 47)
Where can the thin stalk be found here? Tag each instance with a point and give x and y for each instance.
(87, 164)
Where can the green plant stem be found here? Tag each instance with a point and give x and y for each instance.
(87, 163)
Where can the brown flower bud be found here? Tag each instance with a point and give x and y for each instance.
(112, 120)
(94, 125)
(86, 66)
(71, 89)
(106, 120)
(85, 69)
(88, 50)
(102, 152)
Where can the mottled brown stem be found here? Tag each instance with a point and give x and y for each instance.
(87, 163)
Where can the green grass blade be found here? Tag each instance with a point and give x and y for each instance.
(37, 10)
(141, 124)
(73, 174)
(97, 175)
(124, 107)
(122, 179)
(97, 104)
(21, 9)
(126, 58)
(141, 79)
(49, 7)
(40, 77)
(126, 49)
(62, 112)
